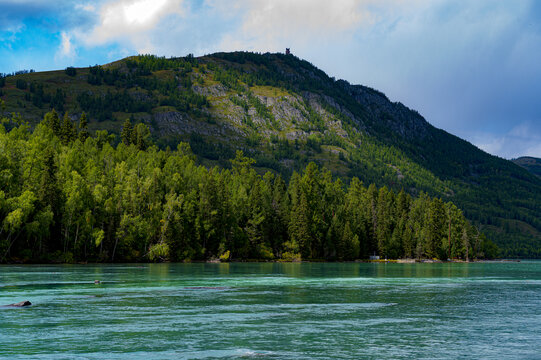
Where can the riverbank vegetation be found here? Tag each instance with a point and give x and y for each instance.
(66, 196)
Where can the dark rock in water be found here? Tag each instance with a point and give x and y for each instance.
(21, 304)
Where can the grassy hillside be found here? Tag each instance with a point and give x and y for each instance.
(284, 112)
(531, 164)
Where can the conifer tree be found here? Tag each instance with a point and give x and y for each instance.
(385, 225)
(141, 134)
(299, 228)
(436, 221)
(350, 243)
(68, 132)
(52, 121)
(83, 128)
(49, 194)
(372, 200)
(280, 206)
(334, 247)
(127, 132)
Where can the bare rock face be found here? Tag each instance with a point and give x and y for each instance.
(407, 123)
(296, 134)
(212, 90)
(21, 304)
(174, 122)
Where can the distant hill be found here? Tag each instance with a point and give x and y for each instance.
(285, 112)
(531, 164)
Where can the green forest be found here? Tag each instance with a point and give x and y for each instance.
(285, 113)
(67, 196)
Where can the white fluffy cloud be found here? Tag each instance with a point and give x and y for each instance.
(307, 17)
(129, 20)
(266, 25)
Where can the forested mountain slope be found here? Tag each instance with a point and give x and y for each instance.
(284, 112)
(530, 163)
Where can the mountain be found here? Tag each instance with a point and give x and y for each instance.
(529, 163)
(284, 112)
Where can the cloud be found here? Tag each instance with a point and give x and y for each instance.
(311, 17)
(521, 140)
(129, 20)
(51, 16)
(490, 143)
(66, 49)
(14, 12)
(9, 35)
(266, 25)
(86, 7)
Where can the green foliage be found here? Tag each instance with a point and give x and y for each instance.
(65, 200)
(137, 90)
(146, 64)
(21, 84)
(141, 136)
(83, 128)
(225, 256)
(127, 132)
(68, 131)
(260, 108)
(58, 100)
(531, 164)
(239, 101)
(52, 121)
(39, 97)
(70, 71)
(98, 75)
(158, 251)
(102, 107)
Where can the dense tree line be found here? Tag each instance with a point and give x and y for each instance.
(70, 71)
(138, 74)
(102, 106)
(39, 97)
(68, 196)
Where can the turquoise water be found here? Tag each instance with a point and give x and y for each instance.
(293, 311)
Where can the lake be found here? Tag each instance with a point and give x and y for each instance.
(272, 310)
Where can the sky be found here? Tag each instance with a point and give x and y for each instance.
(472, 68)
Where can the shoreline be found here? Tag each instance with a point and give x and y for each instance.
(252, 261)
